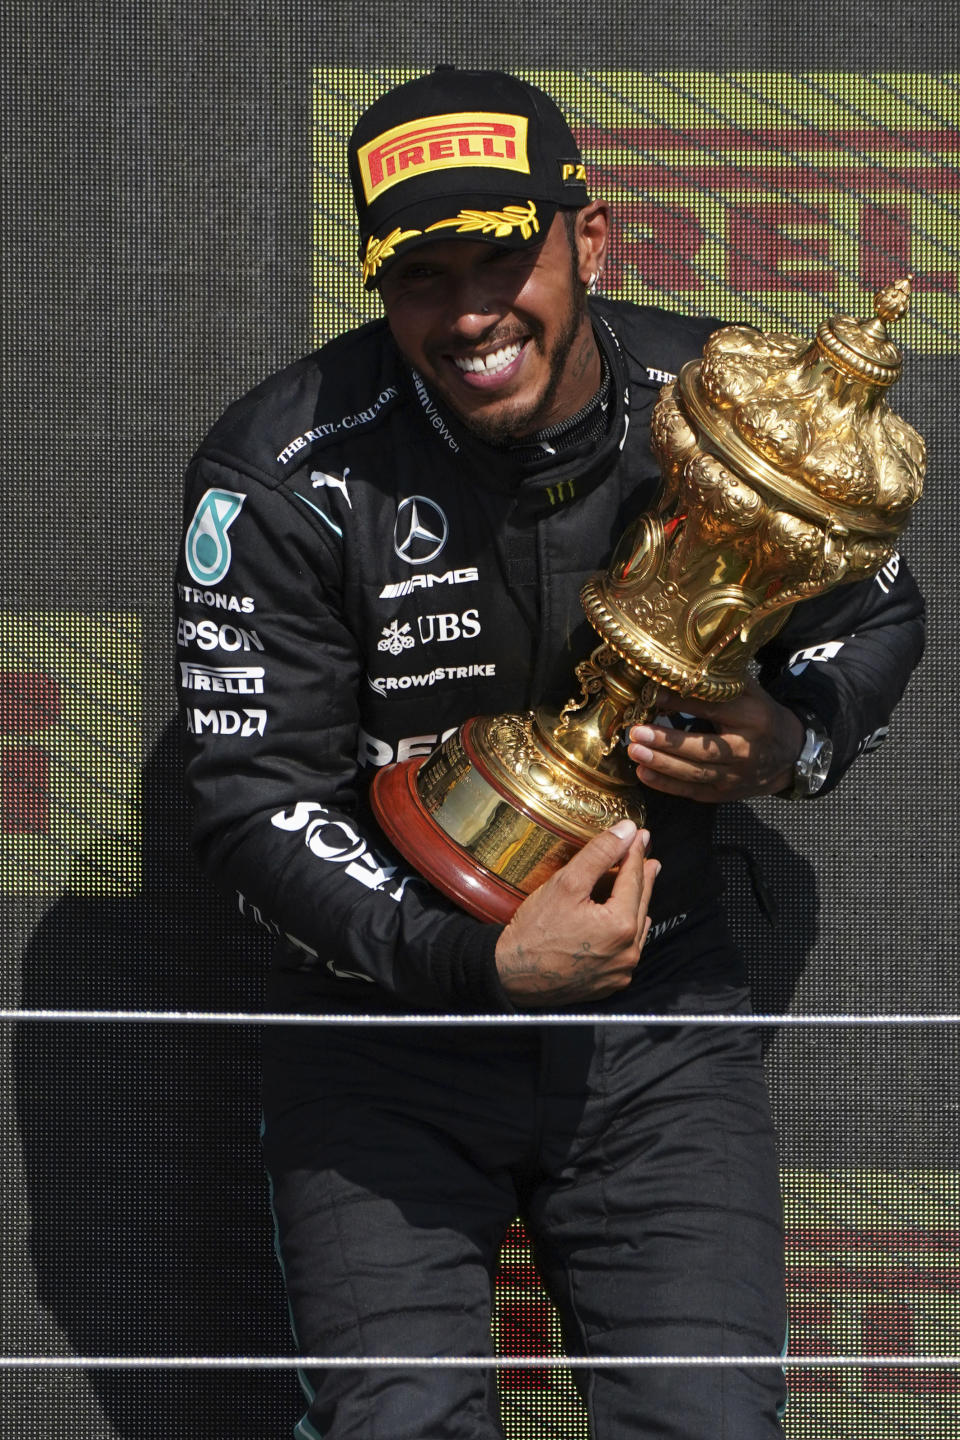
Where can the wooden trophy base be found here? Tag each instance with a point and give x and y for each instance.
(449, 868)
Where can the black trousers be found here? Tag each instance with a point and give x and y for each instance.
(641, 1159)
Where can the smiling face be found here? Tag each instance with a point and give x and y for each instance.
(503, 336)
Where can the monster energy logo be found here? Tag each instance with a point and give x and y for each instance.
(560, 493)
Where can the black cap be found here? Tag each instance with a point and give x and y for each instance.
(461, 154)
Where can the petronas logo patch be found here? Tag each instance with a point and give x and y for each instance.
(208, 551)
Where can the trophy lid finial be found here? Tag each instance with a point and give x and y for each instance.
(861, 349)
(893, 301)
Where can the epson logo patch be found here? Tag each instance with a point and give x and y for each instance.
(208, 635)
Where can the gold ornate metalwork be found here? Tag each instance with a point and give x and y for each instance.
(785, 474)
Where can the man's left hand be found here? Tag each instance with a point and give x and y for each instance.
(751, 752)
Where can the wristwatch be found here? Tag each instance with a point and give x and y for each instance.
(812, 765)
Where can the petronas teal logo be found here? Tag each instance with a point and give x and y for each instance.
(208, 544)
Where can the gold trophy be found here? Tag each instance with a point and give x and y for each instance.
(785, 473)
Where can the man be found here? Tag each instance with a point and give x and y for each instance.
(386, 538)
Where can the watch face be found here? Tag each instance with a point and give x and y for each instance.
(824, 760)
(813, 765)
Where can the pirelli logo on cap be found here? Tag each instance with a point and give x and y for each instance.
(443, 142)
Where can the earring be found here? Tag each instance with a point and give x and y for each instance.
(593, 284)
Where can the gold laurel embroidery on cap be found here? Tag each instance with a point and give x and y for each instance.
(500, 222)
(380, 250)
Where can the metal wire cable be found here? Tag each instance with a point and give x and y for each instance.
(501, 1362)
(471, 1362)
(237, 1017)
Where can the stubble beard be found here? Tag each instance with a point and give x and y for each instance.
(513, 421)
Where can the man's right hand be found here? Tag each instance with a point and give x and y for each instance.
(562, 947)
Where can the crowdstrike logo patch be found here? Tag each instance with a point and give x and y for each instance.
(387, 684)
(420, 530)
(207, 548)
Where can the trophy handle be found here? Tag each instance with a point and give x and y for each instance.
(834, 562)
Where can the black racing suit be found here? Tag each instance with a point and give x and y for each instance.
(360, 575)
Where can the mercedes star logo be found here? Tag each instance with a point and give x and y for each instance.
(420, 532)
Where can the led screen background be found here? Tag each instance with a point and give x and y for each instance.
(174, 227)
